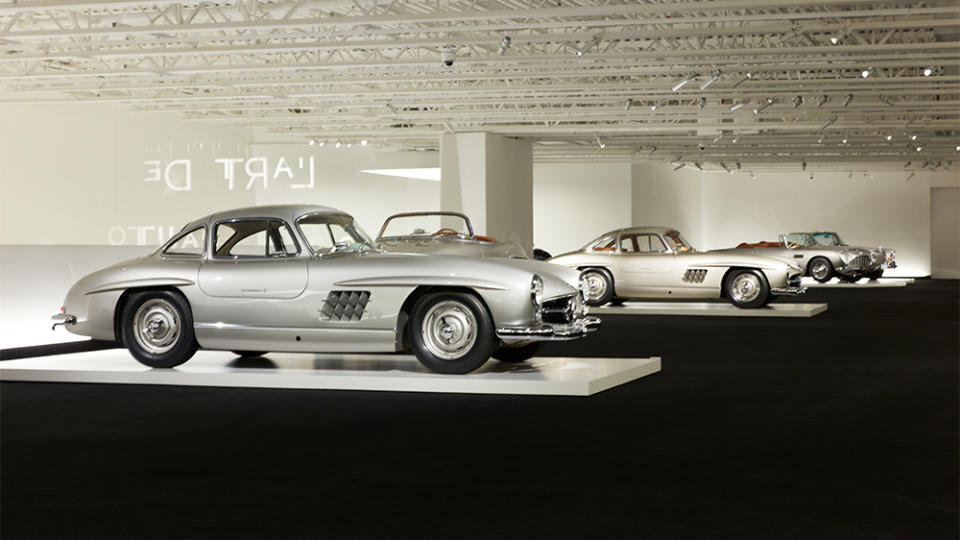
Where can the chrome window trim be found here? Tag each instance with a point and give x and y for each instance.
(175, 239)
(304, 237)
(212, 243)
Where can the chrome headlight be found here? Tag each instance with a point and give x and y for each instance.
(536, 291)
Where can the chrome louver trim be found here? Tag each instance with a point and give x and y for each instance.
(694, 276)
(344, 305)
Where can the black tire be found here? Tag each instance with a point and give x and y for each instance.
(747, 289)
(518, 354)
(601, 281)
(463, 311)
(540, 255)
(166, 337)
(248, 354)
(875, 275)
(820, 269)
(617, 302)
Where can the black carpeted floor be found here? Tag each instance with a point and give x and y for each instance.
(841, 426)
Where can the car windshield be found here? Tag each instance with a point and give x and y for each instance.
(828, 239)
(795, 240)
(677, 242)
(334, 233)
(424, 225)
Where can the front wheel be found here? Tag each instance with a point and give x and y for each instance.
(157, 328)
(518, 354)
(600, 285)
(875, 274)
(821, 269)
(747, 289)
(451, 332)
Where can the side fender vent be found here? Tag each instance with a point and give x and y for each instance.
(694, 276)
(344, 305)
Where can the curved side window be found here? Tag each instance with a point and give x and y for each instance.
(607, 243)
(254, 238)
(188, 244)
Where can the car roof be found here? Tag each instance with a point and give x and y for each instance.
(287, 212)
(640, 229)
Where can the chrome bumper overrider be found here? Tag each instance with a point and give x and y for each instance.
(62, 319)
(550, 332)
(789, 291)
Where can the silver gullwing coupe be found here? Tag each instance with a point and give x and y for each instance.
(656, 262)
(827, 257)
(308, 279)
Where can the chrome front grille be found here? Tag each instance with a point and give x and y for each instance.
(860, 262)
(794, 280)
(561, 310)
(344, 305)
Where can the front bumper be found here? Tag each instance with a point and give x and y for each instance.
(549, 332)
(63, 319)
(789, 291)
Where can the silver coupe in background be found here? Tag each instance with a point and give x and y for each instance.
(308, 279)
(888, 255)
(656, 262)
(442, 233)
(823, 260)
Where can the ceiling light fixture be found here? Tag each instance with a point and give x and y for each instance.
(594, 41)
(701, 103)
(803, 166)
(713, 77)
(907, 164)
(830, 122)
(363, 142)
(919, 148)
(822, 100)
(678, 167)
(683, 83)
(844, 139)
(504, 45)
(627, 104)
(911, 176)
(747, 76)
(321, 143)
(338, 144)
(797, 101)
(312, 142)
(865, 73)
(913, 137)
(760, 109)
(847, 99)
(885, 99)
(927, 72)
(697, 165)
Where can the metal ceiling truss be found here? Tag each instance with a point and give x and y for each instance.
(816, 81)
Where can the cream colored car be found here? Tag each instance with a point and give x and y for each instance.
(657, 262)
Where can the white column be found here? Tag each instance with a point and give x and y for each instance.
(490, 179)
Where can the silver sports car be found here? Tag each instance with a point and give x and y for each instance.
(308, 279)
(656, 262)
(441, 233)
(823, 261)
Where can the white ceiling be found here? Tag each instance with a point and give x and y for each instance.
(371, 69)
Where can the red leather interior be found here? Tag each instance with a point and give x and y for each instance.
(484, 238)
(760, 244)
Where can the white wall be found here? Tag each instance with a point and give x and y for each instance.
(668, 198)
(883, 210)
(576, 202)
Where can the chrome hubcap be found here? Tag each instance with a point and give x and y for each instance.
(597, 285)
(819, 269)
(449, 330)
(156, 326)
(746, 288)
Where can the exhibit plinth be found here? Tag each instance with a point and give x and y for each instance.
(711, 309)
(562, 376)
(863, 283)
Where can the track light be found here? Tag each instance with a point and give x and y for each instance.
(907, 164)
(724, 165)
(797, 101)
(678, 167)
(701, 103)
(683, 83)
(803, 166)
(713, 77)
(913, 137)
(919, 148)
(834, 39)
(760, 109)
(736, 106)
(660, 103)
(652, 150)
(504, 45)
(889, 137)
(321, 143)
(847, 99)
(594, 41)
(927, 72)
(600, 143)
(312, 142)
(349, 145)
(738, 165)
(697, 165)
(830, 122)
(627, 104)
(745, 78)
(911, 176)
(363, 142)
(844, 139)
(338, 144)
(822, 100)
(865, 73)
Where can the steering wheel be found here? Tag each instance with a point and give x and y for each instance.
(446, 231)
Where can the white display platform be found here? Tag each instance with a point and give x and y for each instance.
(863, 283)
(713, 309)
(382, 372)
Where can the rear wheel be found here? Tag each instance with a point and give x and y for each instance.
(600, 285)
(157, 328)
(821, 269)
(451, 332)
(518, 354)
(747, 288)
